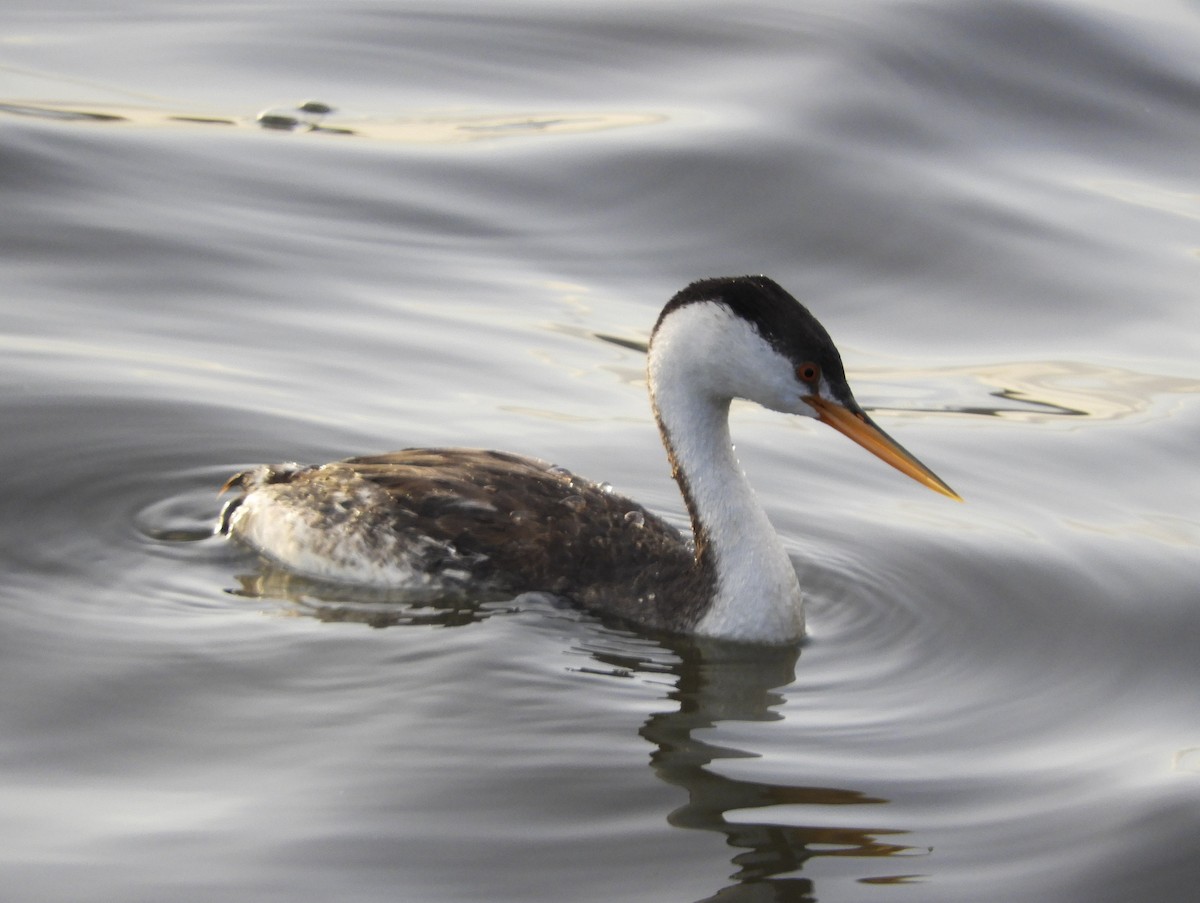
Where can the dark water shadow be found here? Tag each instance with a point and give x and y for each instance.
(378, 608)
(718, 682)
(714, 682)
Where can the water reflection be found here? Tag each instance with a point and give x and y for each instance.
(1036, 391)
(319, 118)
(365, 605)
(713, 682)
(719, 682)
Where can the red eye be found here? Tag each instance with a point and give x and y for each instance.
(808, 373)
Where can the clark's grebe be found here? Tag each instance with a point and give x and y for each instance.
(431, 517)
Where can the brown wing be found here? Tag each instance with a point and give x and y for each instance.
(518, 521)
(541, 524)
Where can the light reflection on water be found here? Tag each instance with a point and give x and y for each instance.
(430, 128)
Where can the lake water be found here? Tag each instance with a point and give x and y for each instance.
(995, 210)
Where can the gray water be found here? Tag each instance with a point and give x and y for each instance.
(992, 207)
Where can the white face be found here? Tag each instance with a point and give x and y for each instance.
(722, 356)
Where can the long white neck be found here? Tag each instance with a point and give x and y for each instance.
(757, 596)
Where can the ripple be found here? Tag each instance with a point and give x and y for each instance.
(185, 516)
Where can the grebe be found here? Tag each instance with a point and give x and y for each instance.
(459, 517)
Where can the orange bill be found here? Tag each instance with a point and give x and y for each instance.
(861, 429)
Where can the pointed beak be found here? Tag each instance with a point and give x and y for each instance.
(859, 427)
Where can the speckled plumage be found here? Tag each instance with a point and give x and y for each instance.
(469, 516)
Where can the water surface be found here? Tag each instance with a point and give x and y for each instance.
(993, 209)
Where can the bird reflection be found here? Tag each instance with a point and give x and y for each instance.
(720, 682)
(714, 682)
(365, 605)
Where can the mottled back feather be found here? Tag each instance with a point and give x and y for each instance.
(512, 521)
